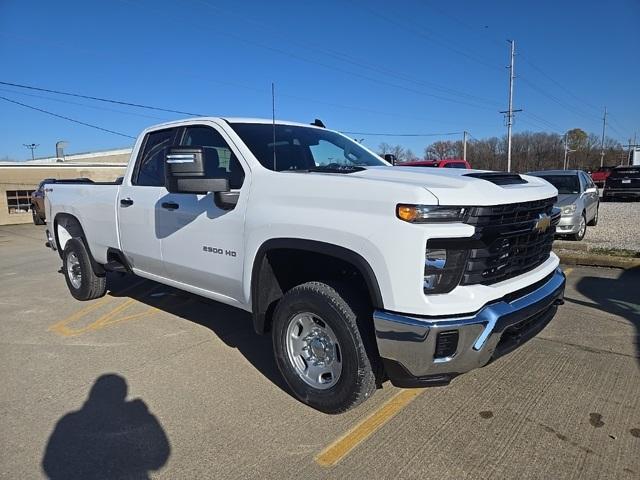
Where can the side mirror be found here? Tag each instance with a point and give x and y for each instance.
(391, 158)
(591, 190)
(184, 171)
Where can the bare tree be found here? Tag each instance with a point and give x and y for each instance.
(440, 150)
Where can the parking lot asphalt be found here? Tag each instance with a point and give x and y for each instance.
(152, 381)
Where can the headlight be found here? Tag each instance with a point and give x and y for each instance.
(443, 269)
(569, 209)
(430, 213)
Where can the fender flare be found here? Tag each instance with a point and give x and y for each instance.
(261, 267)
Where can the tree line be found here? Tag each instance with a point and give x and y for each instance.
(529, 151)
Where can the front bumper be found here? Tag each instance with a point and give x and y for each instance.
(569, 224)
(408, 344)
(621, 193)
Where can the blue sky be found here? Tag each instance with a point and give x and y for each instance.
(408, 66)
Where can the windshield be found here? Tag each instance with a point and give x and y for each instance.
(566, 184)
(303, 148)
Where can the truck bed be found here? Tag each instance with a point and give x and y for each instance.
(94, 205)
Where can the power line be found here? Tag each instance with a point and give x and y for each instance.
(66, 118)
(420, 31)
(307, 59)
(99, 99)
(567, 106)
(350, 59)
(559, 84)
(69, 102)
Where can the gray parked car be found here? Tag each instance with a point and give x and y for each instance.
(578, 200)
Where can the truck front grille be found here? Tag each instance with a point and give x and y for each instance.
(508, 242)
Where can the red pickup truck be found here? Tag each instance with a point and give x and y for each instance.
(600, 176)
(446, 163)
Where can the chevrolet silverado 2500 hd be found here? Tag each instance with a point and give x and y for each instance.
(360, 271)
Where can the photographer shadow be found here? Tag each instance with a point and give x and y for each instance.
(110, 437)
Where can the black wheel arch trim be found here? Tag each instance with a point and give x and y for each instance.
(260, 266)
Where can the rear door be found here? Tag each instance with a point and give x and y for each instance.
(202, 243)
(137, 204)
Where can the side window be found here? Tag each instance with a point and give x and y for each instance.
(583, 184)
(150, 170)
(219, 160)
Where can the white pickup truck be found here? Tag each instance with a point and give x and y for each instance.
(361, 271)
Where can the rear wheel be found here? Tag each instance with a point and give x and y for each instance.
(321, 340)
(582, 228)
(37, 220)
(82, 281)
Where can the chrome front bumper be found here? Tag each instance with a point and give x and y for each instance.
(407, 344)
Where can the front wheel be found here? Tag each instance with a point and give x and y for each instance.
(320, 349)
(82, 281)
(582, 228)
(594, 220)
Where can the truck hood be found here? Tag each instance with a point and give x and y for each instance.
(455, 187)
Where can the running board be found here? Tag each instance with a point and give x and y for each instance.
(115, 266)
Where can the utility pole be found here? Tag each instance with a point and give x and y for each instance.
(32, 147)
(509, 113)
(567, 150)
(464, 145)
(604, 126)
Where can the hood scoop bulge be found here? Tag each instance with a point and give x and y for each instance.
(499, 178)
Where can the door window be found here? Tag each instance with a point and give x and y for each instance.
(219, 159)
(150, 170)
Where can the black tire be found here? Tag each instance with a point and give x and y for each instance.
(90, 285)
(37, 220)
(580, 235)
(348, 316)
(594, 220)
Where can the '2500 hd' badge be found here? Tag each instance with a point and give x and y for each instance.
(218, 251)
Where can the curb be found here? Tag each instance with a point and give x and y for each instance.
(594, 260)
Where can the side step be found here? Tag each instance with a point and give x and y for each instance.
(115, 266)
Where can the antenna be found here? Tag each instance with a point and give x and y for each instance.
(273, 118)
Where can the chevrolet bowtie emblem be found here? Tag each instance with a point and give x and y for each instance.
(542, 223)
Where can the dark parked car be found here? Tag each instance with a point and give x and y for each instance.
(624, 182)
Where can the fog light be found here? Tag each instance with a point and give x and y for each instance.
(446, 344)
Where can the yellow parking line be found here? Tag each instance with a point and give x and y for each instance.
(337, 450)
(64, 328)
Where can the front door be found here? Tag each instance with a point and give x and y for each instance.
(137, 204)
(203, 243)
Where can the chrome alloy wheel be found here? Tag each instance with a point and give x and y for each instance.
(313, 350)
(583, 227)
(74, 271)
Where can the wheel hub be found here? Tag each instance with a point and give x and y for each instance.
(319, 348)
(313, 350)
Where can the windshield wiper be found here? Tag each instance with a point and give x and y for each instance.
(336, 169)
